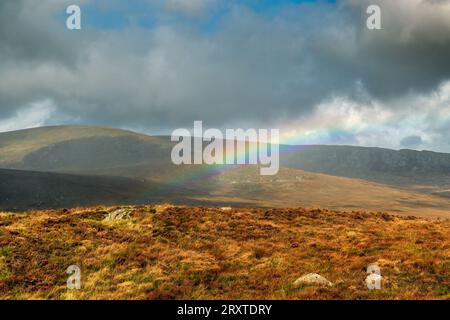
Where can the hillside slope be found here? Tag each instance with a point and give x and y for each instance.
(407, 182)
(22, 190)
(402, 167)
(113, 151)
(167, 252)
(40, 148)
(243, 186)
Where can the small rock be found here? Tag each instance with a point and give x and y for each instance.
(226, 208)
(312, 279)
(294, 245)
(119, 214)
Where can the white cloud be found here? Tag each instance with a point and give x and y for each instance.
(34, 115)
(252, 71)
(342, 120)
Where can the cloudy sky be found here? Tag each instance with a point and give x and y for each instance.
(310, 68)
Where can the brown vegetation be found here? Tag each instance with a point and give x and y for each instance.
(168, 252)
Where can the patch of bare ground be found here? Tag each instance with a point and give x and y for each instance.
(177, 252)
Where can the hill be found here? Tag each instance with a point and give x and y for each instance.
(170, 252)
(78, 149)
(402, 167)
(243, 186)
(22, 190)
(106, 151)
(336, 177)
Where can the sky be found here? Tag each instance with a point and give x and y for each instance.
(310, 68)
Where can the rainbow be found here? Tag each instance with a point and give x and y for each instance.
(292, 141)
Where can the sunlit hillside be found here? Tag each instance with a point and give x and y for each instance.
(170, 252)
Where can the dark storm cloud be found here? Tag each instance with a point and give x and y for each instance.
(410, 52)
(29, 32)
(252, 69)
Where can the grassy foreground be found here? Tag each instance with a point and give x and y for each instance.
(168, 252)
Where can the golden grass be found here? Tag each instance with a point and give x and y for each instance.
(168, 252)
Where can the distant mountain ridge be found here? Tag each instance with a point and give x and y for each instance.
(377, 164)
(15, 145)
(77, 165)
(114, 151)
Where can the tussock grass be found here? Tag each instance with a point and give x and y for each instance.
(170, 252)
